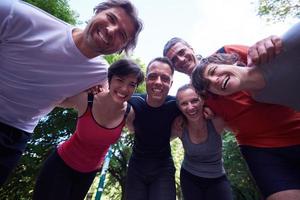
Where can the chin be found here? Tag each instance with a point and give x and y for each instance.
(119, 101)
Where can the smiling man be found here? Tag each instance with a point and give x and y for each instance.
(151, 171)
(184, 58)
(44, 60)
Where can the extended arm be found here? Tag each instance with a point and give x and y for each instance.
(177, 127)
(219, 124)
(264, 50)
(77, 102)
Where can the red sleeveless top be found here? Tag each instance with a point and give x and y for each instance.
(87, 147)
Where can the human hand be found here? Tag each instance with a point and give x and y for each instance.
(96, 89)
(208, 113)
(264, 50)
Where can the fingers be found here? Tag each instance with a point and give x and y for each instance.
(96, 89)
(208, 113)
(264, 50)
(277, 43)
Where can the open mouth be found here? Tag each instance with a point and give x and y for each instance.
(157, 91)
(225, 82)
(102, 36)
(192, 114)
(121, 95)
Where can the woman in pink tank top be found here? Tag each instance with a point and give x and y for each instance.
(70, 170)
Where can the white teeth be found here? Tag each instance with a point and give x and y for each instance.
(157, 90)
(225, 82)
(102, 36)
(121, 95)
(192, 113)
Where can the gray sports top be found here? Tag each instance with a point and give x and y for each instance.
(204, 159)
(282, 74)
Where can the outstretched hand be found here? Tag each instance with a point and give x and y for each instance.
(264, 50)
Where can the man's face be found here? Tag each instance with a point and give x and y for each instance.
(109, 31)
(183, 58)
(158, 82)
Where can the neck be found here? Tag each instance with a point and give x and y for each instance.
(78, 37)
(109, 102)
(154, 103)
(254, 80)
(196, 122)
(197, 125)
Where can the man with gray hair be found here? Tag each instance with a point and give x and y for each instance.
(44, 60)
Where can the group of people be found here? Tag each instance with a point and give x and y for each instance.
(251, 91)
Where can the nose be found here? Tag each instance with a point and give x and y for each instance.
(189, 106)
(181, 59)
(213, 79)
(124, 88)
(158, 80)
(111, 29)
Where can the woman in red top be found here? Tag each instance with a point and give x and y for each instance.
(70, 170)
(268, 134)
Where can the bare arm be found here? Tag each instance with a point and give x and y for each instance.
(77, 102)
(177, 127)
(219, 124)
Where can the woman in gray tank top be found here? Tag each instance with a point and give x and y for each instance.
(202, 175)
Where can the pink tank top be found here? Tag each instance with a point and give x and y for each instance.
(87, 147)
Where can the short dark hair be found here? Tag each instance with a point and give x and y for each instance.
(197, 77)
(131, 11)
(124, 67)
(162, 60)
(172, 42)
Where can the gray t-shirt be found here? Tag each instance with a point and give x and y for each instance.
(282, 74)
(203, 159)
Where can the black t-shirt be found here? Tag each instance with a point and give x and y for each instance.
(153, 127)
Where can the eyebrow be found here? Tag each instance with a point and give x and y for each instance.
(209, 71)
(113, 15)
(175, 55)
(119, 23)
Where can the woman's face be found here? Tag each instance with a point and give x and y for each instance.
(122, 87)
(222, 79)
(190, 104)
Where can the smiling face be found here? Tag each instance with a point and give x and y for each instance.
(190, 104)
(158, 83)
(108, 31)
(122, 87)
(182, 57)
(222, 79)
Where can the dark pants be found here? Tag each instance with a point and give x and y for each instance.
(150, 179)
(58, 181)
(274, 169)
(12, 145)
(198, 188)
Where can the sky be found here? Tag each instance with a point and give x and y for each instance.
(205, 24)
